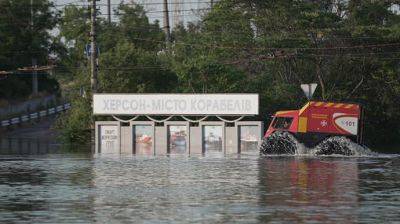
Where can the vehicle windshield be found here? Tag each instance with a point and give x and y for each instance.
(282, 122)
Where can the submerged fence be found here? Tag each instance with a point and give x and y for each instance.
(21, 146)
(36, 115)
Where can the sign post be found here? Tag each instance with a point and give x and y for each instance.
(309, 89)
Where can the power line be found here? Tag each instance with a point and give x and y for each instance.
(160, 67)
(77, 3)
(327, 38)
(280, 28)
(260, 48)
(150, 17)
(278, 48)
(170, 11)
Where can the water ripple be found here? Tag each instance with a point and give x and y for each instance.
(67, 188)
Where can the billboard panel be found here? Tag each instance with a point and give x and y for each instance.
(175, 104)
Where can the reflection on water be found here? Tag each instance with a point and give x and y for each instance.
(308, 185)
(33, 146)
(21, 146)
(54, 188)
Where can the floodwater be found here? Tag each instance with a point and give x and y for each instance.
(46, 187)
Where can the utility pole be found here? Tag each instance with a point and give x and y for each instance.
(34, 61)
(109, 11)
(177, 12)
(166, 23)
(93, 49)
(35, 84)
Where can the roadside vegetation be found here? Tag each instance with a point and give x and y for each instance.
(22, 39)
(350, 48)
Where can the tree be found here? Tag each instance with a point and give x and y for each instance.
(129, 61)
(21, 37)
(268, 47)
(24, 34)
(349, 47)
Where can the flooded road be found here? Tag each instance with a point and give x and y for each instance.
(81, 188)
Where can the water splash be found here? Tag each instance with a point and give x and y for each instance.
(285, 143)
(340, 145)
(279, 143)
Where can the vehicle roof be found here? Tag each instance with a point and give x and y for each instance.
(316, 104)
(324, 104)
(282, 113)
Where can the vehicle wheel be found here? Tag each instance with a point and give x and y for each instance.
(279, 143)
(335, 145)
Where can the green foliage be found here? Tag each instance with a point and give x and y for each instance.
(350, 48)
(22, 38)
(136, 28)
(129, 76)
(128, 61)
(76, 123)
(18, 87)
(24, 34)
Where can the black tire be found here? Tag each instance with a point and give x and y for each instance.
(279, 143)
(334, 146)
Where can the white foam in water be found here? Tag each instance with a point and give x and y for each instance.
(301, 149)
(333, 146)
(344, 144)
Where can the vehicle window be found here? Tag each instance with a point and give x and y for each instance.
(282, 122)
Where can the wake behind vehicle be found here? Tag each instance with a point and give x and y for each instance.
(316, 124)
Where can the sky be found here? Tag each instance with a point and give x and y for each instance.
(154, 8)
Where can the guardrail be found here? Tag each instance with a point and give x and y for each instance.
(36, 115)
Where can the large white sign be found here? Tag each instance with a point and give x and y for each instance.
(175, 104)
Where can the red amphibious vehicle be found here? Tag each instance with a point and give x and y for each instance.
(313, 124)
